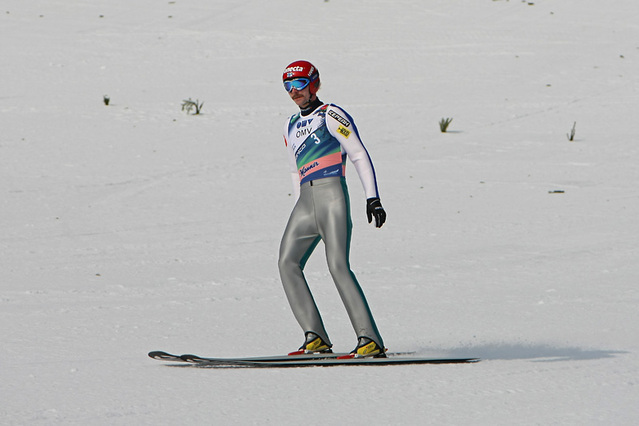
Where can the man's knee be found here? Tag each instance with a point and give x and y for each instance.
(339, 268)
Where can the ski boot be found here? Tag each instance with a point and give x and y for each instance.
(366, 348)
(313, 345)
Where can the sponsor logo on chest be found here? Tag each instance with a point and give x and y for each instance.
(304, 128)
(299, 150)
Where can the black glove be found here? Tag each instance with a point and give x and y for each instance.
(374, 208)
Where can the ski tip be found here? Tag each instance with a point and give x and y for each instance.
(191, 358)
(160, 355)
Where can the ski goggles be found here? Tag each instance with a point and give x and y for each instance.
(296, 83)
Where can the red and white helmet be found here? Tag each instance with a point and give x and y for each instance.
(303, 69)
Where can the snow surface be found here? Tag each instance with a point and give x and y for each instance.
(135, 227)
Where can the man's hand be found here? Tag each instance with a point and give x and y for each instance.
(374, 208)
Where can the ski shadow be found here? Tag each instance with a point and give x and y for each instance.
(532, 352)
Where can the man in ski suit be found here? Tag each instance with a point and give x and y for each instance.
(319, 139)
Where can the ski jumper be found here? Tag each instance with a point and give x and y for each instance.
(318, 145)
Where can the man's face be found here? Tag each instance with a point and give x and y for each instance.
(301, 97)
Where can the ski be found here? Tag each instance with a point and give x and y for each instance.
(304, 360)
(337, 362)
(165, 356)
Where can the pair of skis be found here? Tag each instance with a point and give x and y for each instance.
(304, 360)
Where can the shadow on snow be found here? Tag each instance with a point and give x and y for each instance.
(535, 352)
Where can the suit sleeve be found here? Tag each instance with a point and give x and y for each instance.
(295, 176)
(341, 126)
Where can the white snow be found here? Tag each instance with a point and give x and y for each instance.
(135, 227)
